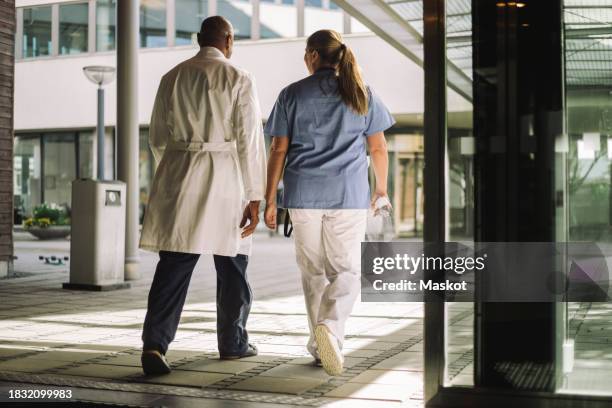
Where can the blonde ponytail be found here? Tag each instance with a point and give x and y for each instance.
(334, 52)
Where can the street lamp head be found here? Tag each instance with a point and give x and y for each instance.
(99, 75)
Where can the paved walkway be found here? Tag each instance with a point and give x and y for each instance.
(90, 342)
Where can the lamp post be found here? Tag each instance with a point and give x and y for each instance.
(100, 75)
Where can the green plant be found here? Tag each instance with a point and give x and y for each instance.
(46, 215)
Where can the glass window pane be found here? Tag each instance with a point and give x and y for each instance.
(317, 18)
(358, 27)
(406, 180)
(584, 169)
(26, 165)
(460, 145)
(59, 167)
(73, 23)
(189, 17)
(239, 14)
(36, 31)
(105, 25)
(86, 155)
(277, 20)
(153, 23)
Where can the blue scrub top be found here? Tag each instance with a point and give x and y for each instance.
(327, 164)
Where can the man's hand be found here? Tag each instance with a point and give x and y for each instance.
(270, 215)
(251, 214)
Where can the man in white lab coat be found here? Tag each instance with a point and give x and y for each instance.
(206, 136)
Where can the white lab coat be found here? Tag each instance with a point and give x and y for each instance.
(206, 135)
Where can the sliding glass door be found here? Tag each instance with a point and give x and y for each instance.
(526, 160)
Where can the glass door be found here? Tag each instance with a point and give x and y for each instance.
(532, 166)
(586, 346)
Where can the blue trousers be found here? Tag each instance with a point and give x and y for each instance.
(169, 290)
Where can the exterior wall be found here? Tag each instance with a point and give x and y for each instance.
(7, 47)
(68, 101)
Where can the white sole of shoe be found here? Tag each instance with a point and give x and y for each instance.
(330, 358)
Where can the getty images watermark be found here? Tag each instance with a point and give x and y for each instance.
(488, 272)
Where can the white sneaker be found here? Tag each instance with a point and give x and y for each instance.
(327, 346)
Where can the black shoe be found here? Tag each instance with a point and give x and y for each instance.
(154, 363)
(251, 351)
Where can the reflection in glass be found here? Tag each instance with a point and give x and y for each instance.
(460, 187)
(26, 170)
(73, 32)
(189, 17)
(153, 23)
(407, 181)
(239, 14)
(105, 24)
(36, 31)
(587, 170)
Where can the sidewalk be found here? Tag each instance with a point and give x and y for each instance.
(90, 341)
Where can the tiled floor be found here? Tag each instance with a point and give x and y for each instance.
(90, 342)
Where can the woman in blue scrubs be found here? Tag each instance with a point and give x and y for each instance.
(321, 127)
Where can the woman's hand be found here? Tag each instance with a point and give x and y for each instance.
(378, 194)
(270, 215)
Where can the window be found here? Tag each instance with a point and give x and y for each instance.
(86, 145)
(59, 167)
(73, 23)
(318, 18)
(105, 25)
(26, 165)
(189, 17)
(36, 32)
(239, 14)
(153, 23)
(277, 20)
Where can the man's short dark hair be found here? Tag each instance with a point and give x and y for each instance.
(214, 30)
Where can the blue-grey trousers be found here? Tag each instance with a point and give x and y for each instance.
(169, 290)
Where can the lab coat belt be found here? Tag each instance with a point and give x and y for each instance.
(203, 146)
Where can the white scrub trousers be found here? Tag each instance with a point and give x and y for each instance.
(328, 253)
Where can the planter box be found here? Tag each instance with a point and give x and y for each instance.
(52, 232)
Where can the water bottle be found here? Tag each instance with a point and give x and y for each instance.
(380, 221)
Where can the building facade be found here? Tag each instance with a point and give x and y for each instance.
(55, 120)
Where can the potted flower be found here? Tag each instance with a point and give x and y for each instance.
(49, 221)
